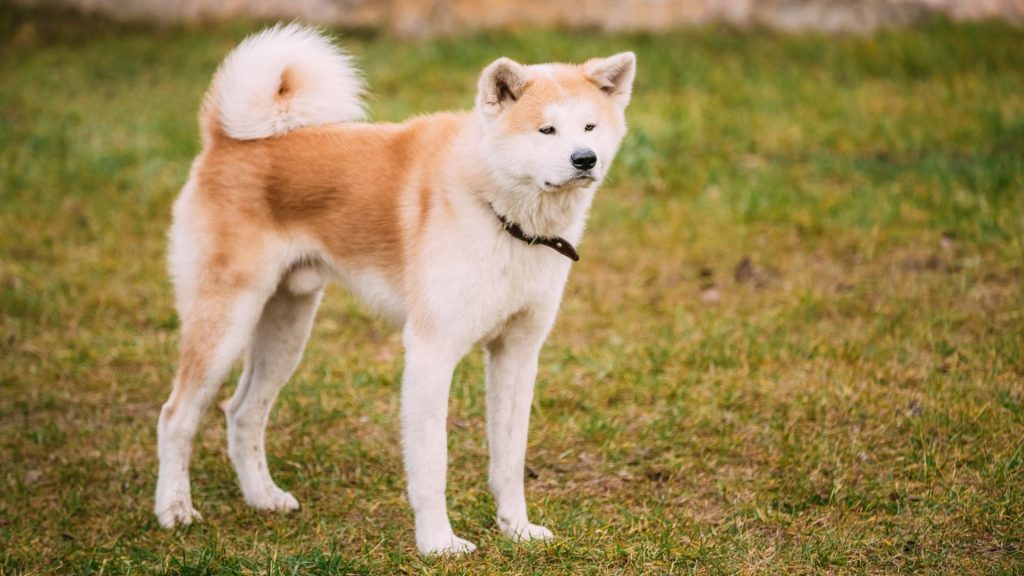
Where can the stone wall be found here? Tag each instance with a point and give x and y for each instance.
(429, 17)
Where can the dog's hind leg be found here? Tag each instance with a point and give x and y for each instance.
(273, 355)
(214, 333)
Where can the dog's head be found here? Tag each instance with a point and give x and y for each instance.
(554, 127)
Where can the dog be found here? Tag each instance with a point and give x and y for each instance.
(459, 227)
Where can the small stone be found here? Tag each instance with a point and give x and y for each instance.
(711, 295)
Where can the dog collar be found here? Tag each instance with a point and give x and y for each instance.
(556, 243)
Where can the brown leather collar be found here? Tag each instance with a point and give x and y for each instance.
(556, 243)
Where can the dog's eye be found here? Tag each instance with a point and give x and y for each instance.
(547, 130)
(590, 127)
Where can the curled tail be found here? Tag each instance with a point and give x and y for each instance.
(283, 78)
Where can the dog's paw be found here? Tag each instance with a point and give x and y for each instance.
(450, 544)
(179, 513)
(525, 532)
(273, 499)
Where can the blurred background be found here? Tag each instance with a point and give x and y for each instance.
(794, 343)
(429, 17)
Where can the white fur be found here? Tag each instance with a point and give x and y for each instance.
(324, 87)
(476, 286)
(274, 353)
(304, 280)
(374, 290)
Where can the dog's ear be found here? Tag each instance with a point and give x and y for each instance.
(501, 84)
(613, 75)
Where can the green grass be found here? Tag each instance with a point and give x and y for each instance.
(850, 402)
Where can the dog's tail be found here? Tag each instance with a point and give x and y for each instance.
(283, 78)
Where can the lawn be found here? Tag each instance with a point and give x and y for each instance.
(794, 343)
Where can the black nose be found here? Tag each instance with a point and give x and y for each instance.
(583, 159)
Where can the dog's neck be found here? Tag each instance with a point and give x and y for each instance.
(542, 214)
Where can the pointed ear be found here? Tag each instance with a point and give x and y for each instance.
(613, 75)
(501, 84)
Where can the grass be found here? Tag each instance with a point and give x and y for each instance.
(795, 342)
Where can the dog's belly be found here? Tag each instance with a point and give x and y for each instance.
(375, 290)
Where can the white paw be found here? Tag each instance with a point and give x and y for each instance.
(273, 499)
(524, 531)
(178, 513)
(450, 544)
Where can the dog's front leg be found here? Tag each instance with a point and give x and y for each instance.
(429, 364)
(511, 372)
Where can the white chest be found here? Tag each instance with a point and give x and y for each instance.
(472, 284)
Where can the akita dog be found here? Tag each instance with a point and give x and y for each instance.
(460, 227)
